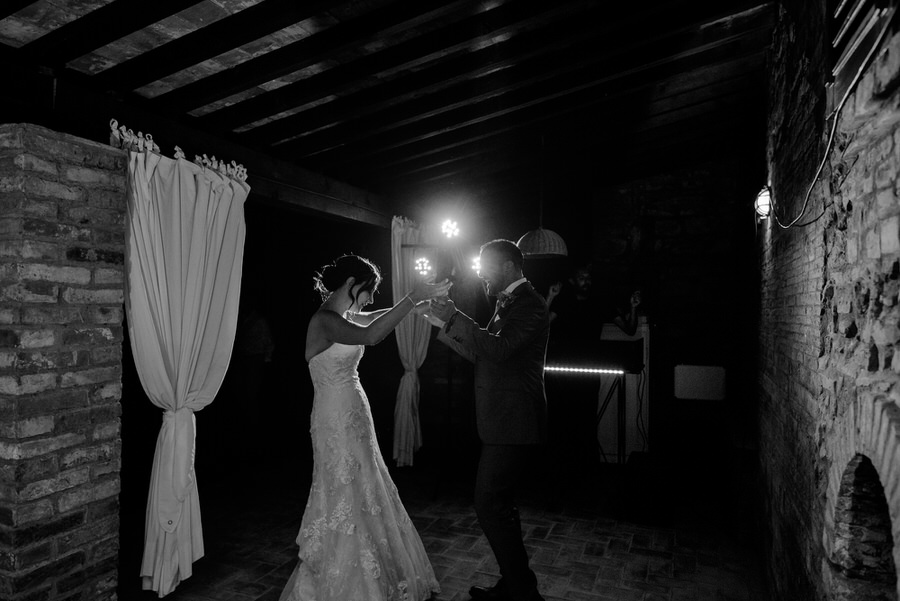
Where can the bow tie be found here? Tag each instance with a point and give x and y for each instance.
(504, 298)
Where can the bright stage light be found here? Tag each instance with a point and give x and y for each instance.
(423, 266)
(476, 264)
(450, 228)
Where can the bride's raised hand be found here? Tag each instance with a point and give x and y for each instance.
(424, 290)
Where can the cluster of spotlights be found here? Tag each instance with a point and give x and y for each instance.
(450, 228)
(423, 266)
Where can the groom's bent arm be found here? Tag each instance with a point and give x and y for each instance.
(521, 325)
(461, 350)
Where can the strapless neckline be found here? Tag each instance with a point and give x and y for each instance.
(331, 346)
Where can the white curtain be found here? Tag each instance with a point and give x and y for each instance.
(184, 252)
(412, 342)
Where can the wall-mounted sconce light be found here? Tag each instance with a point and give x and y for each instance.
(763, 202)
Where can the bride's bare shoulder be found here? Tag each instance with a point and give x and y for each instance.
(317, 338)
(322, 319)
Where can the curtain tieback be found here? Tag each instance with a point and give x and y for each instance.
(176, 464)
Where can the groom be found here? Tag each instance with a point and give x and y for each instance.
(510, 407)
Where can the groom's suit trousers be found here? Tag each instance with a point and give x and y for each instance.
(501, 471)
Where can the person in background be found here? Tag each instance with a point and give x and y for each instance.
(627, 320)
(577, 307)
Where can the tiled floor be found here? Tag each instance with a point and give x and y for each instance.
(626, 534)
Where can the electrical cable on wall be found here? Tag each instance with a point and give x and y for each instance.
(862, 67)
(825, 207)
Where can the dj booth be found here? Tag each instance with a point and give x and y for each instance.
(619, 367)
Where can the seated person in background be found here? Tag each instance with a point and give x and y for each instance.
(628, 321)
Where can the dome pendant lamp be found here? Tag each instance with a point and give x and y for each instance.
(541, 243)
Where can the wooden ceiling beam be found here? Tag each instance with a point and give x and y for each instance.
(456, 69)
(683, 142)
(635, 66)
(306, 52)
(444, 75)
(478, 165)
(715, 80)
(350, 76)
(572, 68)
(98, 28)
(226, 34)
(680, 25)
(560, 135)
(11, 7)
(525, 107)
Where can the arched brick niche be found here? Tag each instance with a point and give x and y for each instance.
(862, 513)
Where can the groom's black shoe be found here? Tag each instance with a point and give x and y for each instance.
(488, 593)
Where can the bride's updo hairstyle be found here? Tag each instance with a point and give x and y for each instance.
(335, 274)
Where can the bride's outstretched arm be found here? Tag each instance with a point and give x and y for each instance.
(364, 318)
(335, 328)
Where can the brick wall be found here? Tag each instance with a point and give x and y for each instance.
(62, 213)
(829, 317)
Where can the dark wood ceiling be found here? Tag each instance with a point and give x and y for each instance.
(507, 104)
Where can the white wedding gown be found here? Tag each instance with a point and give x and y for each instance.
(356, 540)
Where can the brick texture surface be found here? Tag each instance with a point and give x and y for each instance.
(61, 312)
(829, 317)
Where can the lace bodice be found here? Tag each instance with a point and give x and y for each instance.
(336, 366)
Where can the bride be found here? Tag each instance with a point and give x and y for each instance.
(356, 540)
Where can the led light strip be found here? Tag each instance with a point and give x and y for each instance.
(584, 370)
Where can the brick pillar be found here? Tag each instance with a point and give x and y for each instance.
(62, 242)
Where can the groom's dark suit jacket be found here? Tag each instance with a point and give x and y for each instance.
(510, 403)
